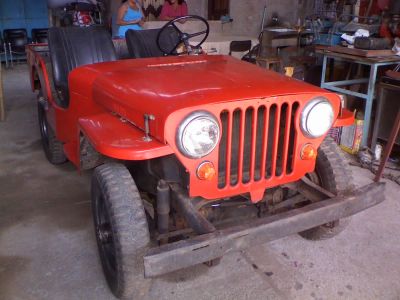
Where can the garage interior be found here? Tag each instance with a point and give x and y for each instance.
(47, 243)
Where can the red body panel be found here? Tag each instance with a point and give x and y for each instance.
(208, 189)
(160, 86)
(170, 88)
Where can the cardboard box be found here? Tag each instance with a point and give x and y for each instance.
(350, 139)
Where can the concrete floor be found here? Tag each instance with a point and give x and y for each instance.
(48, 251)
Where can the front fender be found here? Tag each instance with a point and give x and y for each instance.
(116, 138)
(346, 118)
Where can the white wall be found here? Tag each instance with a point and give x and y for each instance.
(247, 15)
(198, 7)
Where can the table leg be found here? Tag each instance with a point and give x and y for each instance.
(382, 92)
(325, 61)
(331, 70)
(368, 104)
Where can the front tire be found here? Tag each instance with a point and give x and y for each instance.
(52, 147)
(333, 174)
(122, 231)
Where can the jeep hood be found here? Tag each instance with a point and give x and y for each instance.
(160, 86)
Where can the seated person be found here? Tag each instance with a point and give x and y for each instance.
(130, 16)
(173, 9)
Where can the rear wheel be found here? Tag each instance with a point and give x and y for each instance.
(333, 174)
(121, 229)
(52, 147)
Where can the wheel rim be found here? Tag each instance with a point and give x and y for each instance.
(105, 238)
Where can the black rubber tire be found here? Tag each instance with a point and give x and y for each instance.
(114, 189)
(52, 147)
(335, 176)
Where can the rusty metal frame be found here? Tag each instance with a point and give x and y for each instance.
(206, 247)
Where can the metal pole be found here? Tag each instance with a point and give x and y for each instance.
(389, 147)
(263, 18)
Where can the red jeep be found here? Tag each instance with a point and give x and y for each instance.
(194, 156)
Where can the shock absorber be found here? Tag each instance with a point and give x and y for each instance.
(163, 209)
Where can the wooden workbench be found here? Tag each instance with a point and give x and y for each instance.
(373, 54)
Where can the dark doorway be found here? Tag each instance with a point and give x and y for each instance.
(217, 8)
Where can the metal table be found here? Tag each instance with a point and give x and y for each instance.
(339, 86)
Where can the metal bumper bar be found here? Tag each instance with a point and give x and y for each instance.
(206, 247)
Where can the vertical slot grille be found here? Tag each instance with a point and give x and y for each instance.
(256, 143)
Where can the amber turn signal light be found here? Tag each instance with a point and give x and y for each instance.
(206, 171)
(308, 152)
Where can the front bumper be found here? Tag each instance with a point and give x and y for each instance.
(206, 247)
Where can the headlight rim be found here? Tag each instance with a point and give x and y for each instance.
(305, 114)
(187, 120)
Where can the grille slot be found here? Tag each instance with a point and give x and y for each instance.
(257, 143)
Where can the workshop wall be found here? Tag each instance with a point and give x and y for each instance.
(247, 15)
(198, 7)
(23, 14)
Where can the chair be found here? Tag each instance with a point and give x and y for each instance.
(239, 46)
(16, 39)
(3, 51)
(40, 35)
(71, 47)
(143, 43)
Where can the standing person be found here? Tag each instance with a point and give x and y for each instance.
(130, 16)
(173, 9)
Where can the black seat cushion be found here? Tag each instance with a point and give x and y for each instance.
(71, 47)
(40, 35)
(143, 43)
(18, 38)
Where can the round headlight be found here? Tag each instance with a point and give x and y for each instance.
(317, 118)
(198, 135)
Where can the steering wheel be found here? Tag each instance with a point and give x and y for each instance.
(183, 37)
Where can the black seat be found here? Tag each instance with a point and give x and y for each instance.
(40, 35)
(143, 43)
(17, 39)
(239, 46)
(71, 47)
(121, 48)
